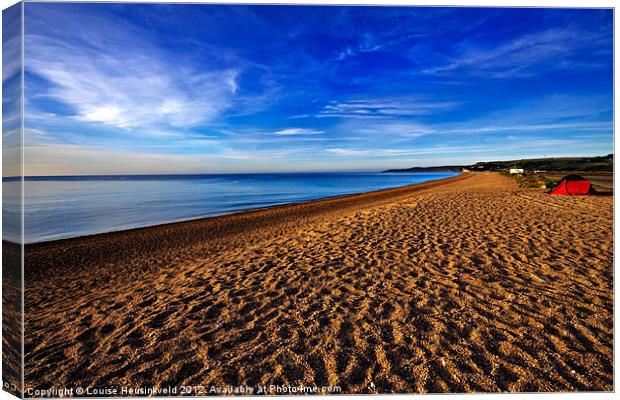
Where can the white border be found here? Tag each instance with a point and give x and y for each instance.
(400, 3)
(480, 3)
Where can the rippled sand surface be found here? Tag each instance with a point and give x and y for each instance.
(466, 285)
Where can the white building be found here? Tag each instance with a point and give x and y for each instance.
(516, 170)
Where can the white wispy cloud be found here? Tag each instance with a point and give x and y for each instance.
(11, 57)
(12, 88)
(382, 108)
(367, 43)
(397, 132)
(398, 153)
(385, 129)
(551, 49)
(571, 146)
(11, 113)
(546, 114)
(551, 109)
(339, 151)
(115, 75)
(573, 126)
(11, 43)
(297, 131)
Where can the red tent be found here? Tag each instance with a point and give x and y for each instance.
(573, 185)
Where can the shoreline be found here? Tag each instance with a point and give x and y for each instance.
(254, 211)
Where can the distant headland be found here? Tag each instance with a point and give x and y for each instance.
(582, 164)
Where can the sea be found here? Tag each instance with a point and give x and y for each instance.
(60, 207)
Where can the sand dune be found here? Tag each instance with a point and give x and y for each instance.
(467, 285)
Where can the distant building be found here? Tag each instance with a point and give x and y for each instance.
(516, 170)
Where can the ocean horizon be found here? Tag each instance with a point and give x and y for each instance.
(62, 207)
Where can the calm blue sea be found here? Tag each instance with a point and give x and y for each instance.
(63, 207)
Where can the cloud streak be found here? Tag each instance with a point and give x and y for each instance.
(128, 87)
(297, 132)
(554, 49)
(388, 107)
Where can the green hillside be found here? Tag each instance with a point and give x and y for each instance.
(581, 164)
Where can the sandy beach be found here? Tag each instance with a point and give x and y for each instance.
(468, 284)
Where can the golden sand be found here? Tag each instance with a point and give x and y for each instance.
(465, 285)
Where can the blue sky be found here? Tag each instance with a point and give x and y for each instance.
(136, 88)
(11, 91)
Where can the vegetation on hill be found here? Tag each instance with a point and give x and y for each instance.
(573, 164)
(583, 164)
(533, 180)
